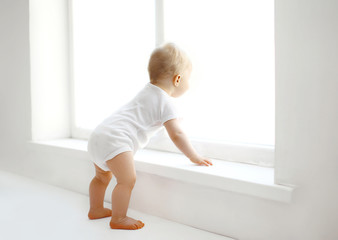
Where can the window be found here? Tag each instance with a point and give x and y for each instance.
(111, 42)
(231, 44)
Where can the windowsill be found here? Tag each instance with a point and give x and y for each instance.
(240, 178)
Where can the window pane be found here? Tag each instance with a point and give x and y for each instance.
(231, 44)
(112, 41)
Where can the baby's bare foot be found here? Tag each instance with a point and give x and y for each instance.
(99, 213)
(126, 223)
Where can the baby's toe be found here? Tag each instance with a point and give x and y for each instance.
(140, 224)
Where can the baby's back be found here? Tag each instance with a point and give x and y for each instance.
(139, 119)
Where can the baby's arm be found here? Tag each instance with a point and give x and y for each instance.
(181, 141)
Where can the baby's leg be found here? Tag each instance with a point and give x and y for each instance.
(97, 191)
(122, 166)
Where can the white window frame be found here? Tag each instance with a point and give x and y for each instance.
(262, 155)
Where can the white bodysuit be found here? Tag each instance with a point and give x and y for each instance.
(131, 127)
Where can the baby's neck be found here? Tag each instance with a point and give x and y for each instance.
(164, 86)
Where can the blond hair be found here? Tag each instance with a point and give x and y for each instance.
(167, 61)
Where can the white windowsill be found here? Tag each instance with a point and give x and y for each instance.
(240, 178)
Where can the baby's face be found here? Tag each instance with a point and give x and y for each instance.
(184, 84)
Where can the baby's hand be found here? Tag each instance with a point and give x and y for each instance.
(201, 161)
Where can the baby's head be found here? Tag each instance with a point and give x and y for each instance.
(170, 66)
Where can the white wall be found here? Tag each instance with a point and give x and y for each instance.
(15, 113)
(49, 69)
(307, 110)
(306, 134)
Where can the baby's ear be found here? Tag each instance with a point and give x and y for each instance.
(177, 80)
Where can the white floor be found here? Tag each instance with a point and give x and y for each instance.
(33, 210)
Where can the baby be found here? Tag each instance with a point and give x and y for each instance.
(114, 141)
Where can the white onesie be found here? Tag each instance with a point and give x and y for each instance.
(131, 127)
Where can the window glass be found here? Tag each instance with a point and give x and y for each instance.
(112, 42)
(231, 44)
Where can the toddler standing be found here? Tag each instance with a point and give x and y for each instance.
(114, 142)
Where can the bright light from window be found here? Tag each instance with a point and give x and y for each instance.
(112, 42)
(231, 44)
